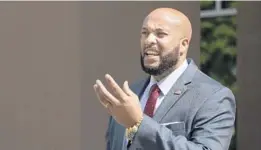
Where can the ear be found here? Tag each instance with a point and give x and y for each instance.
(184, 44)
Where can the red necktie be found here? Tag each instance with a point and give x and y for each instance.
(151, 103)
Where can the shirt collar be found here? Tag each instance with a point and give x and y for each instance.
(166, 83)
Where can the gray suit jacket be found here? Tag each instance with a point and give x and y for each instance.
(198, 113)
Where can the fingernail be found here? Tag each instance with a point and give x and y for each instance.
(97, 82)
(107, 75)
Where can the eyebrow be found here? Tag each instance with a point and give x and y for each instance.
(157, 29)
(160, 29)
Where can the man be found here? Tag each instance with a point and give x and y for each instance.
(177, 107)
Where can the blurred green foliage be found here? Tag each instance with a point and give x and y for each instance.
(218, 48)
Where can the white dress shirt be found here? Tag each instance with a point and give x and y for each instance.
(164, 85)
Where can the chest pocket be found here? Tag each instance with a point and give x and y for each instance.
(177, 128)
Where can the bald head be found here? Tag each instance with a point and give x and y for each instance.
(179, 20)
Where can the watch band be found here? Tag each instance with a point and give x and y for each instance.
(131, 131)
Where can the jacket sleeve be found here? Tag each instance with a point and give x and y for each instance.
(212, 128)
(107, 138)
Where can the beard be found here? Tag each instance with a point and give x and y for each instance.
(166, 63)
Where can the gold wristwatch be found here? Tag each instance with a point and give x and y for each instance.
(131, 131)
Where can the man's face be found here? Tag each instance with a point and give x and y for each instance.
(159, 45)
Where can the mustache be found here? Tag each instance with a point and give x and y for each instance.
(147, 46)
(150, 49)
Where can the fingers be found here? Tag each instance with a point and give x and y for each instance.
(127, 89)
(117, 96)
(104, 95)
(104, 102)
(116, 89)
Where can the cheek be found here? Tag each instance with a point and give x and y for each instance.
(164, 49)
(167, 46)
(165, 43)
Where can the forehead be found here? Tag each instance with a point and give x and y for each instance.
(160, 22)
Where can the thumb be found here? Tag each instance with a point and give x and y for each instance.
(127, 89)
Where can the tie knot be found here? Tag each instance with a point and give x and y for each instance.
(155, 88)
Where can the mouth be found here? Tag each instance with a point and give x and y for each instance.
(150, 52)
(151, 57)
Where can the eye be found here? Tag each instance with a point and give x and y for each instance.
(144, 32)
(161, 34)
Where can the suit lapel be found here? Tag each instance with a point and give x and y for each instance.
(176, 92)
(171, 98)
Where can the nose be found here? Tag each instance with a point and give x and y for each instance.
(151, 39)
